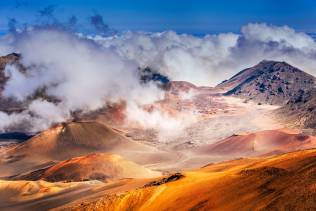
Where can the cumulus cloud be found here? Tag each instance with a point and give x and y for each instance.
(9, 120)
(210, 59)
(180, 57)
(39, 115)
(81, 74)
(283, 35)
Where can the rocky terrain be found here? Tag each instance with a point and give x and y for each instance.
(300, 110)
(269, 82)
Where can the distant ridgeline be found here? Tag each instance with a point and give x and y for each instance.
(147, 74)
(15, 136)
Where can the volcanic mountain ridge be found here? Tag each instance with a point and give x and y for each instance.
(269, 82)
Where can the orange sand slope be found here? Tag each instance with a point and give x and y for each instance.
(22, 191)
(283, 182)
(259, 143)
(74, 139)
(41, 195)
(70, 140)
(97, 166)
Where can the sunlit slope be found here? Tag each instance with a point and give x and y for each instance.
(259, 143)
(96, 166)
(70, 140)
(73, 139)
(19, 191)
(284, 182)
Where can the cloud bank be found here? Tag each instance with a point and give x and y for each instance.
(85, 72)
(211, 59)
(81, 74)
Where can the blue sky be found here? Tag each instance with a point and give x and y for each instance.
(184, 16)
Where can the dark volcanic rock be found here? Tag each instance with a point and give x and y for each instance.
(15, 136)
(147, 74)
(300, 110)
(171, 178)
(264, 172)
(268, 82)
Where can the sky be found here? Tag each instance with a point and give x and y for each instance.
(183, 16)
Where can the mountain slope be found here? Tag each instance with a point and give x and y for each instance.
(69, 140)
(300, 111)
(268, 82)
(259, 143)
(21, 191)
(96, 166)
(72, 139)
(285, 182)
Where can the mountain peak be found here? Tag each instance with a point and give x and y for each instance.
(275, 65)
(271, 82)
(265, 61)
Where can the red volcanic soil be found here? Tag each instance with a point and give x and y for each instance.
(263, 142)
(96, 166)
(112, 114)
(74, 139)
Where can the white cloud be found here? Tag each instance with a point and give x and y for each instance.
(213, 58)
(77, 71)
(84, 73)
(283, 35)
(180, 57)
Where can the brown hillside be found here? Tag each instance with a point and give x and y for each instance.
(284, 182)
(69, 140)
(96, 166)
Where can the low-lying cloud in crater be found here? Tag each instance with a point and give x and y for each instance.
(84, 72)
